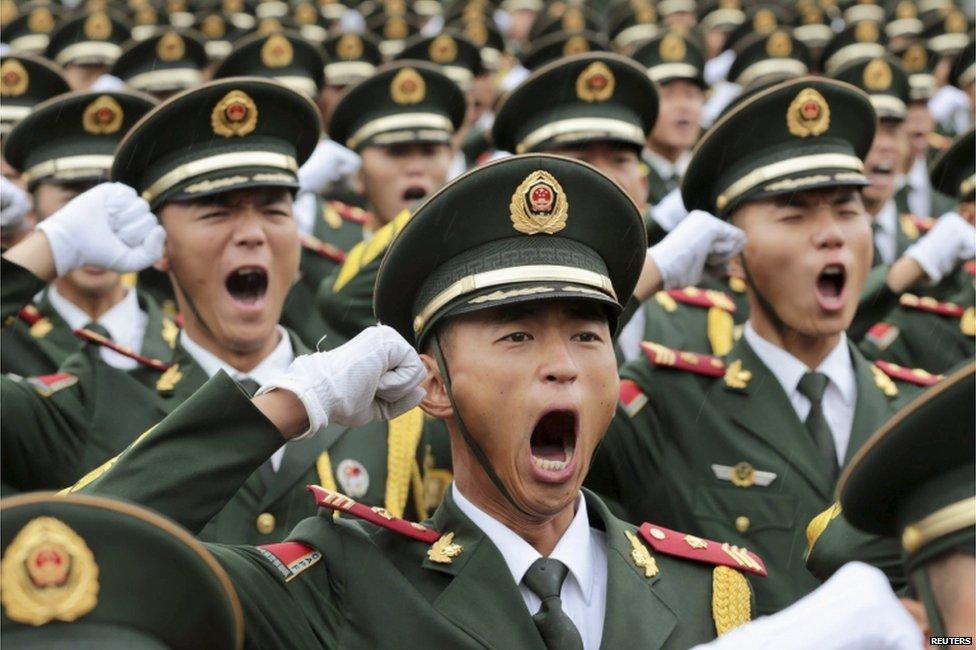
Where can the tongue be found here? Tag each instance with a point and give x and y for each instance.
(827, 287)
(549, 452)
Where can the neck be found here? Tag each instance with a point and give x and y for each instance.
(810, 350)
(242, 360)
(665, 150)
(93, 304)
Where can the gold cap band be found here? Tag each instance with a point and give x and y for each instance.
(770, 172)
(224, 161)
(68, 168)
(399, 122)
(949, 519)
(595, 127)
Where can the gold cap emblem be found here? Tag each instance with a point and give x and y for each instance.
(232, 6)
(349, 47)
(269, 26)
(443, 49)
(408, 87)
(103, 116)
(672, 48)
(476, 32)
(779, 45)
(915, 59)
(575, 45)
(956, 23)
(396, 29)
(808, 114)
(40, 21)
(213, 26)
(170, 47)
(645, 15)
(539, 205)
(906, 9)
(764, 21)
(98, 27)
(877, 75)
(13, 78)
(8, 11)
(146, 16)
(866, 31)
(305, 14)
(49, 573)
(573, 20)
(235, 114)
(595, 83)
(277, 52)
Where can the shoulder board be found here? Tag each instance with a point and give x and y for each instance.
(320, 248)
(970, 267)
(39, 324)
(348, 212)
(30, 314)
(931, 305)
(689, 547)
(702, 364)
(94, 337)
(47, 385)
(632, 398)
(325, 498)
(290, 558)
(914, 226)
(702, 298)
(882, 335)
(915, 376)
(368, 250)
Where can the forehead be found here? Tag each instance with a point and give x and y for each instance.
(560, 309)
(807, 198)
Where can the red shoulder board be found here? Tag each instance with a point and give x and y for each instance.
(349, 212)
(702, 298)
(915, 376)
(325, 498)
(924, 224)
(702, 364)
(30, 314)
(632, 398)
(94, 337)
(882, 335)
(689, 547)
(47, 385)
(290, 558)
(319, 247)
(931, 305)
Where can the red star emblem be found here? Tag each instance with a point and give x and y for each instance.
(810, 110)
(236, 112)
(541, 198)
(104, 115)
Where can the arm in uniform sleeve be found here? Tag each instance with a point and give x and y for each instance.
(18, 288)
(877, 300)
(192, 463)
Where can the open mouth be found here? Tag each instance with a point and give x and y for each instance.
(414, 193)
(830, 286)
(881, 170)
(247, 284)
(553, 442)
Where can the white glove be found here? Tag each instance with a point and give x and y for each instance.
(698, 240)
(854, 609)
(108, 83)
(329, 163)
(108, 226)
(376, 375)
(670, 210)
(14, 205)
(951, 241)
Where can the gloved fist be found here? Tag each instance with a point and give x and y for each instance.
(376, 375)
(108, 226)
(329, 163)
(14, 205)
(698, 240)
(952, 240)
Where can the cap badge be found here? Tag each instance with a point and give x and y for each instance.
(8, 11)
(170, 47)
(353, 478)
(232, 6)
(906, 9)
(349, 47)
(595, 83)
(306, 15)
(877, 75)
(575, 45)
(443, 49)
(13, 78)
(808, 114)
(213, 26)
(866, 31)
(269, 26)
(915, 59)
(956, 23)
(779, 45)
(277, 52)
(49, 573)
(764, 21)
(645, 15)
(396, 29)
(672, 48)
(539, 205)
(146, 16)
(98, 27)
(408, 87)
(103, 116)
(234, 115)
(573, 20)
(40, 21)
(476, 32)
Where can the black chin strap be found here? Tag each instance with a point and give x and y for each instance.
(471, 442)
(189, 301)
(760, 298)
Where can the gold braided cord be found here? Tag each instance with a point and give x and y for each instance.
(323, 467)
(731, 599)
(366, 251)
(720, 326)
(402, 440)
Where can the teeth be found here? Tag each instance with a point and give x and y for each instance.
(831, 270)
(556, 465)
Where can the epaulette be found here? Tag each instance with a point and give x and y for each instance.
(290, 558)
(632, 398)
(325, 498)
(702, 364)
(345, 212)
(47, 385)
(926, 303)
(882, 335)
(720, 326)
(322, 249)
(86, 334)
(913, 226)
(702, 298)
(916, 376)
(39, 324)
(690, 547)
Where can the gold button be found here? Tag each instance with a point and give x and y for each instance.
(657, 533)
(742, 523)
(266, 523)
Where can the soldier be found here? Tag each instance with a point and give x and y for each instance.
(221, 185)
(513, 314)
(747, 446)
(72, 567)
(62, 148)
(86, 44)
(163, 64)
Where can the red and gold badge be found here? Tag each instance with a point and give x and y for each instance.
(443, 49)
(808, 114)
(672, 48)
(539, 205)
(349, 47)
(13, 78)
(408, 87)
(170, 47)
(235, 114)
(98, 26)
(596, 83)
(277, 52)
(877, 75)
(40, 21)
(575, 45)
(779, 45)
(103, 116)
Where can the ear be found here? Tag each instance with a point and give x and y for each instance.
(163, 264)
(435, 403)
(357, 181)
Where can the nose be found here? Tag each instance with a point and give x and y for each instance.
(829, 234)
(249, 228)
(558, 365)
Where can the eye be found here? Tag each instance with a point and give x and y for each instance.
(791, 217)
(213, 214)
(587, 337)
(517, 337)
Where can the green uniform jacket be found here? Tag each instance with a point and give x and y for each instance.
(681, 424)
(657, 187)
(939, 203)
(363, 586)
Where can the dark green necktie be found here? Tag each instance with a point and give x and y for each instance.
(545, 579)
(249, 385)
(875, 230)
(812, 385)
(98, 329)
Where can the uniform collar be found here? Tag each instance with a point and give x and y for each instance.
(272, 365)
(573, 549)
(788, 370)
(119, 320)
(664, 167)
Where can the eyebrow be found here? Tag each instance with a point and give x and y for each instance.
(576, 309)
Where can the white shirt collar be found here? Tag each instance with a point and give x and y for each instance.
(272, 365)
(789, 370)
(918, 175)
(573, 548)
(887, 218)
(118, 320)
(664, 167)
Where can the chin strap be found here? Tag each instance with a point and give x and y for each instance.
(189, 301)
(760, 298)
(923, 589)
(473, 445)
